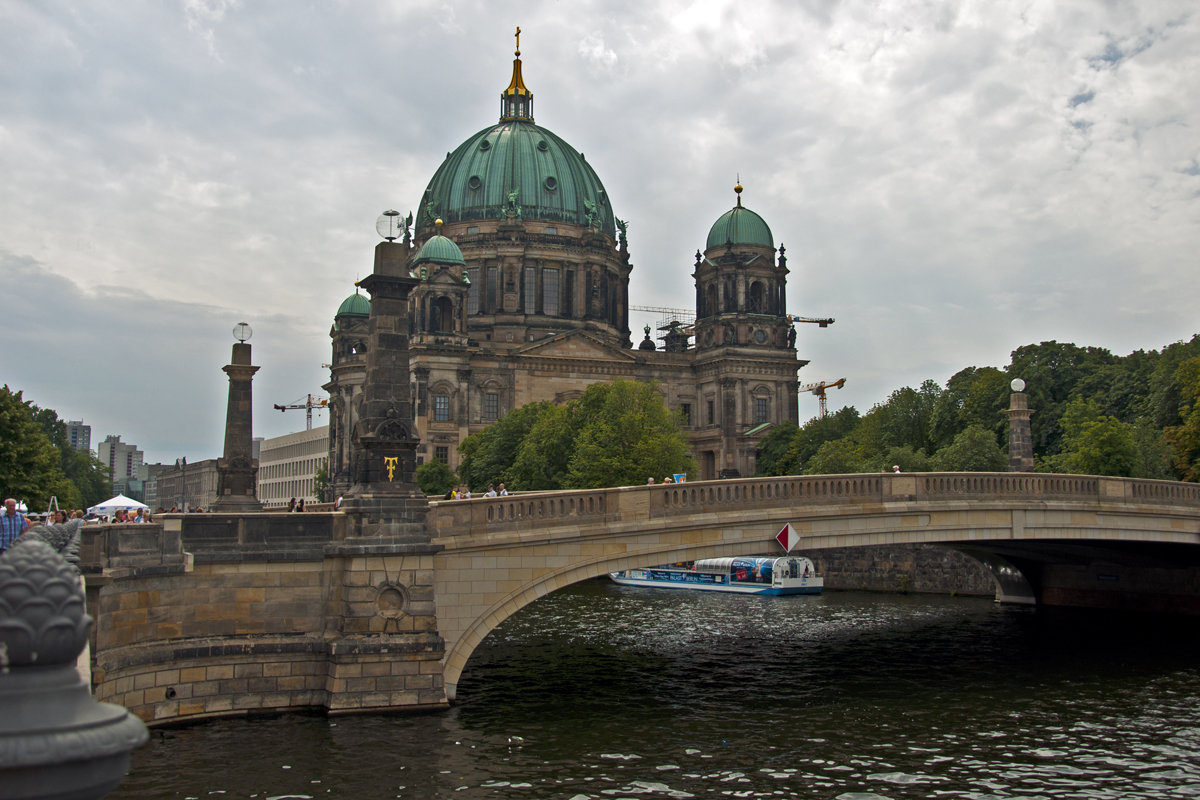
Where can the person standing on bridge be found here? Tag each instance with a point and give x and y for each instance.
(12, 524)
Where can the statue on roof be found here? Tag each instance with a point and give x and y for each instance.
(622, 226)
(592, 214)
(511, 208)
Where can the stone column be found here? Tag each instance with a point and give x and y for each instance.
(385, 649)
(237, 470)
(1020, 435)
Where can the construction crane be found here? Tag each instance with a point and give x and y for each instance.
(308, 405)
(819, 390)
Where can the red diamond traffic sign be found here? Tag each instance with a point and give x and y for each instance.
(787, 538)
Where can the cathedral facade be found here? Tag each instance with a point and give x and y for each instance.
(523, 296)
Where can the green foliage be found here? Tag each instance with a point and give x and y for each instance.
(1052, 372)
(840, 456)
(614, 434)
(1094, 443)
(633, 436)
(774, 447)
(321, 482)
(89, 478)
(907, 459)
(488, 454)
(808, 440)
(30, 465)
(1184, 438)
(545, 454)
(435, 478)
(973, 450)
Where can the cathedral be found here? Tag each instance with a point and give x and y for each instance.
(523, 296)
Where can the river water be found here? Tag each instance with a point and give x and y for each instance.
(602, 691)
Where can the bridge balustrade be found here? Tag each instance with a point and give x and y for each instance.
(665, 500)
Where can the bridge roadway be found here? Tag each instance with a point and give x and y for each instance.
(212, 614)
(1054, 539)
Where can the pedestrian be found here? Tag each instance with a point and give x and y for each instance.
(12, 524)
(491, 492)
(895, 469)
(650, 481)
(300, 505)
(292, 505)
(503, 491)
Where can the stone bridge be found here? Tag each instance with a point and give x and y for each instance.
(217, 614)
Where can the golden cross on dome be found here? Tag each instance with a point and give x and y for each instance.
(518, 40)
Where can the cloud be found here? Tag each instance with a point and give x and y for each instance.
(951, 180)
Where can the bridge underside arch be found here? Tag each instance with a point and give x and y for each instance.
(459, 648)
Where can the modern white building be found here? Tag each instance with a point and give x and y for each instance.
(124, 461)
(287, 467)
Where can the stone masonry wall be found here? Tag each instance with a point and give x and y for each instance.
(920, 568)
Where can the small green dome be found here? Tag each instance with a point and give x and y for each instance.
(740, 225)
(440, 250)
(354, 306)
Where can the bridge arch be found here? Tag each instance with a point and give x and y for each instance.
(459, 653)
(1039, 535)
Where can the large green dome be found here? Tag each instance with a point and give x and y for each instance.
(740, 225)
(551, 180)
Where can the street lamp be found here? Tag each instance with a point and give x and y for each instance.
(388, 224)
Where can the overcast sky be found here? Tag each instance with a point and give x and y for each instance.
(951, 180)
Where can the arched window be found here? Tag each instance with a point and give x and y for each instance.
(730, 295)
(710, 301)
(756, 298)
(441, 315)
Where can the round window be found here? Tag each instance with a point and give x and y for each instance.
(543, 146)
(485, 145)
(474, 182)
(550, 183)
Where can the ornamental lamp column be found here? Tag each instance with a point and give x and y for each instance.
(1020, 434)
(237, 470)
(56, 742)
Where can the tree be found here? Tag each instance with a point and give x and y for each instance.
(1184, 438)
(90, 479)
(973, 450)
(634, 435)
(321, 482)
(544, 457)
(30, 466)
(816, 432)
(774, 447)
(436, 478)
(488, 454)
(1051, 372)
(1093, 443)
(907, 459)
(838, 457)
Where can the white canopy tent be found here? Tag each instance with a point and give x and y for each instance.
(109, 507)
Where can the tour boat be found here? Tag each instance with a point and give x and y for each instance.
(739, 574)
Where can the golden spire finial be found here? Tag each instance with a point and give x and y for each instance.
(516, 102)
(738, 189)
(438, 224)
